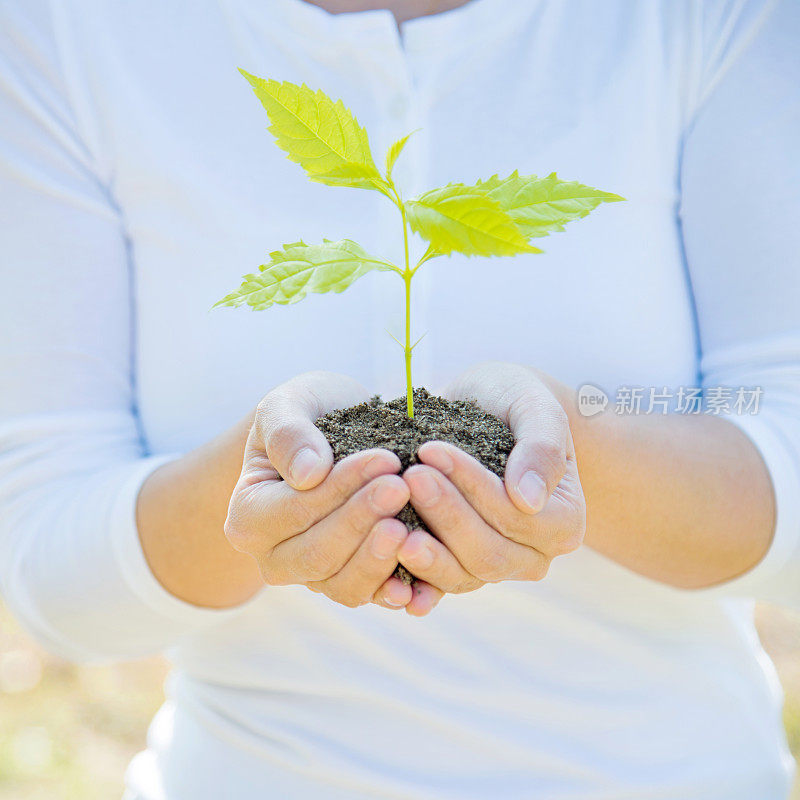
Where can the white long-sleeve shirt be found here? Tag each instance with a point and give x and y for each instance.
(138, 182)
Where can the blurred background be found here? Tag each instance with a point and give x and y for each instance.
(68, 732)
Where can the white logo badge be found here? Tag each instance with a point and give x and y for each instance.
(591, 400)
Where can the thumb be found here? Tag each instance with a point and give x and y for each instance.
(538, 461)
(516, 395)
(284, 428)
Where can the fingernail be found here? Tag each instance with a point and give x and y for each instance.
(421, 557)
(303, 464)
(395, 596)
(437, 456)
(424, 488)
(386, 497)
(385, 544)
(532, 490)
(377, 464)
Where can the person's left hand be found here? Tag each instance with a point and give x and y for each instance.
(486, 529)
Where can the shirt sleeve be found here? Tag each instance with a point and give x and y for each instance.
(740, 216)
(71, 454)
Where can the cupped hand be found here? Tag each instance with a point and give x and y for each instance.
(487, 529)
(305, 521)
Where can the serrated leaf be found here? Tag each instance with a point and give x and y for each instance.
(466, 220)
(393, 153)
(540, 206)
(320, 134)
(300, 269)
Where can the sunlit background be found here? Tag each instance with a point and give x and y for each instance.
(68, 732)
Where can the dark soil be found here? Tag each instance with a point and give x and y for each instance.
(379, 424)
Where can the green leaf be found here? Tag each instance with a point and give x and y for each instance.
(351, 175)
(540, 206)
(393, 152)
(466, 220)
(300, 269)
(320, 134)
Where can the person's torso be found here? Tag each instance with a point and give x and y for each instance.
(593, 683)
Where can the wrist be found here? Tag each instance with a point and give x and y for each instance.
(181, 512)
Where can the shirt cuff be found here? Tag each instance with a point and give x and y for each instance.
(763, 581)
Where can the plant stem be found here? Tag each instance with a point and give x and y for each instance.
(407, 276)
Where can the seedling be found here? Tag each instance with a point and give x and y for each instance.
(494, 217)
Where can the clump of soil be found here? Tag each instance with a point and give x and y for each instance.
(379, 424)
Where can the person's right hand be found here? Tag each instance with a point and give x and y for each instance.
(330, 528)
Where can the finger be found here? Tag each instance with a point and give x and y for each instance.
(263, 514)
(424, 600)
(393, 593)
(481, 550)
(297, 511)
(555, 530)
(369, 568)
(484, 491)
(325, 548)
(284, 424)
(430, 561)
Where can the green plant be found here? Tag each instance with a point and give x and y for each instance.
(494, 217)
